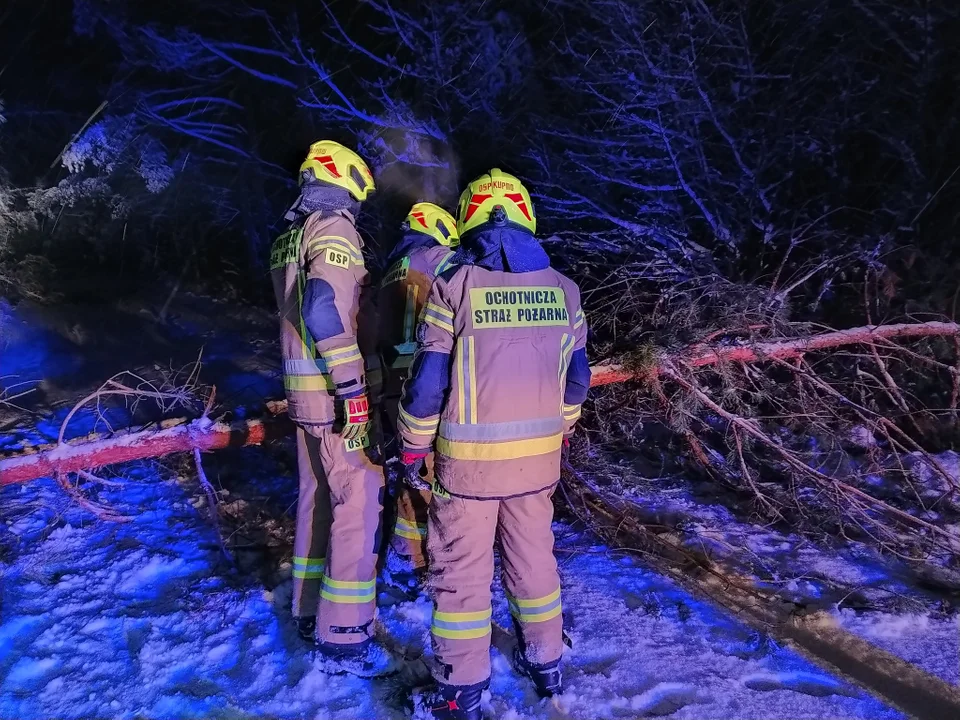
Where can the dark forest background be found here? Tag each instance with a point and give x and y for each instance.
(794, 146)
(726, 172)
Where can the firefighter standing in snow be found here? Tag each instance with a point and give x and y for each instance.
(425, 250)
(330, 370)
(498, 380)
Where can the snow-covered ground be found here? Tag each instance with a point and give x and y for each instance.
(148, 620)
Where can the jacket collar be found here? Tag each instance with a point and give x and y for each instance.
(504, 249)
(410, 242)
(319, 197)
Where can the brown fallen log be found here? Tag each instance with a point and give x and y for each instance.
(703, 356)
(99, 451)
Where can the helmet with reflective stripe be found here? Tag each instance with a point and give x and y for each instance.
(332, 163)
(434, 221)
(492, 190)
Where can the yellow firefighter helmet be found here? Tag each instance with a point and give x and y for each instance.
(491, 190)
(332, 163)
(434, 221)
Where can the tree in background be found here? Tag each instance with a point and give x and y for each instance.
(784, 145)
(714, 174)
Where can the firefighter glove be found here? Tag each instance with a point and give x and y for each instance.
(356, 417)
(415, 469)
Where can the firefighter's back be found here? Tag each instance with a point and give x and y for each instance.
(501, 429)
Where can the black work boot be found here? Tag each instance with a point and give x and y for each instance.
(546, 678)
(307, 628)
(452, 702)
(369, 659)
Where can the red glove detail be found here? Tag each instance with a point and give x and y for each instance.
(566, 443)
(408, 457)
(357, 410)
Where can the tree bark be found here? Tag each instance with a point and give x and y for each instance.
(96, 451)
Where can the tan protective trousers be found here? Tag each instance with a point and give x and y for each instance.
(409, 536)
(460, 539)
(338, 533)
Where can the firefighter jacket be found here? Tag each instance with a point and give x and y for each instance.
(403, 293)
(327, 315)
(500, 372)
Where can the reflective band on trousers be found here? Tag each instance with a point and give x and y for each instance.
(410, 530)
(308, 568)
(349, 592)
(508, 450)
(461, 625)
(536, 610)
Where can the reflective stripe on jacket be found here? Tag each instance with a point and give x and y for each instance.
(490, 382)
(403, 293)
(327, 248)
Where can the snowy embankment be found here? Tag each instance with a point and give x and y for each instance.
(147, 620)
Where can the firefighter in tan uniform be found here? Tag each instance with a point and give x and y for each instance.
(495, 388)
(330, 368)
(427, 247)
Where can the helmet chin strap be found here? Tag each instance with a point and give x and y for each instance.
(499, 216)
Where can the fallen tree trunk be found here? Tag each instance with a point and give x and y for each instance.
(96, 451)
(703, 356)
(99, 450)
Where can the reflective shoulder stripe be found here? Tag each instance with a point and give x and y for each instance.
(334, 240)
(445, 263)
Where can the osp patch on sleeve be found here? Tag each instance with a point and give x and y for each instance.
(517, 307)
(337, 258)
(354, 444)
